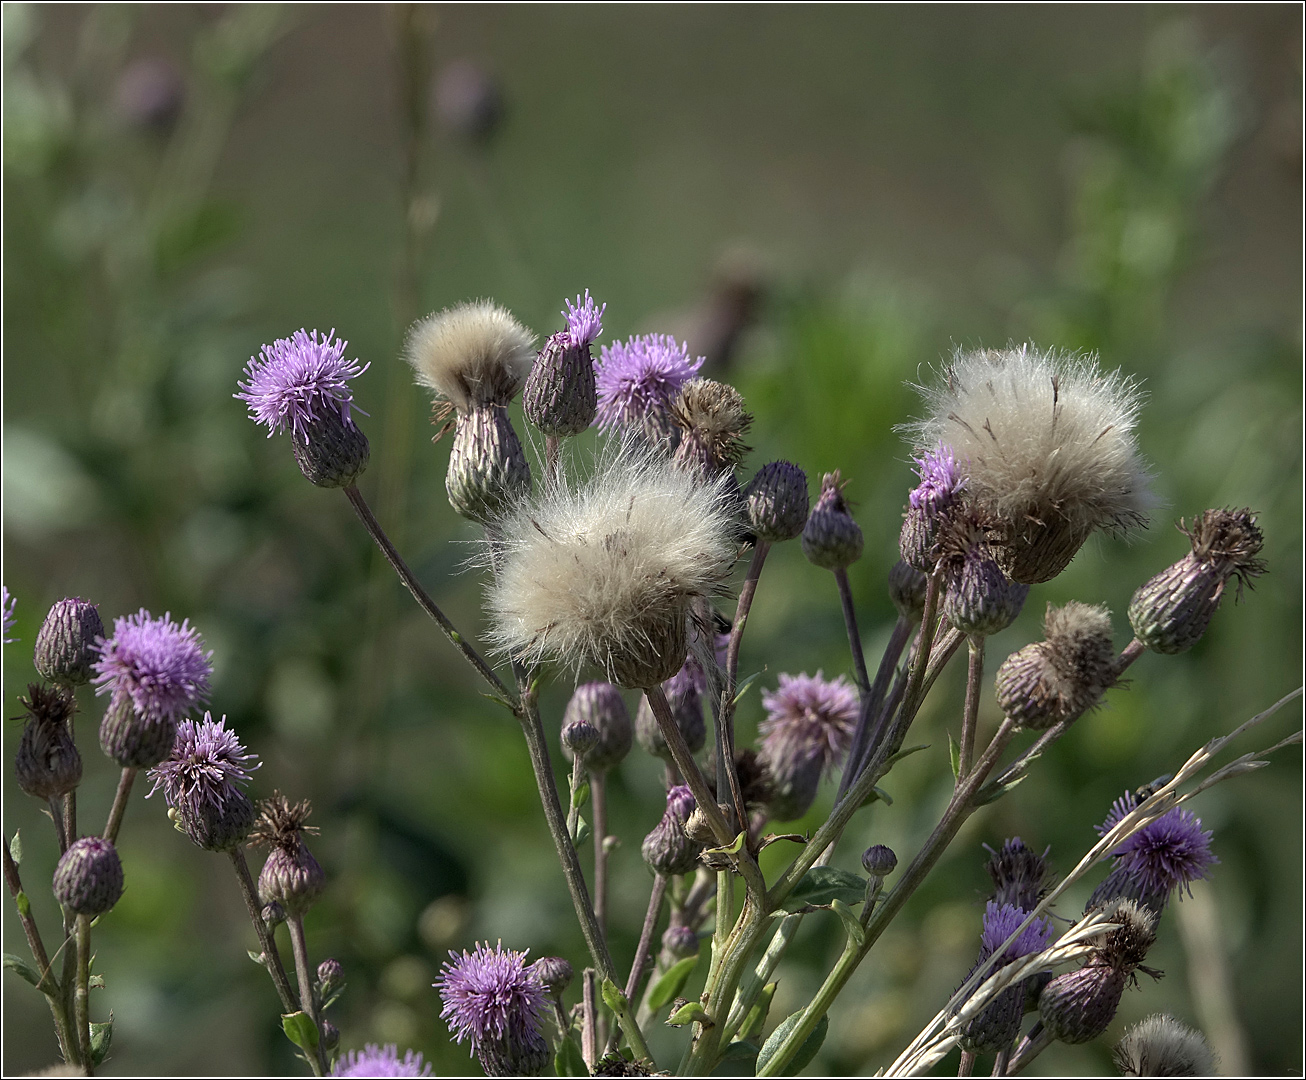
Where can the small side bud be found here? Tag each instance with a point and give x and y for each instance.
(273, 915)
(88, 879)
(67, 643)
(488, 471)
(907, 590)
(579, 737)
(667, 849)
(555, 974)
(47, 763)
(777, 502)
(831, 538)
(329, 1034)
(330, 974)
(680, 942)
(879, 860)
(600, 706)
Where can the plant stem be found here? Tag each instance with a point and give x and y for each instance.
(689, 770)
(1033, 1044)
(644, 950)
(873, 702)
(83, 1003)
(551, 445)
(533, 729)
(577, 778)
(57, 816)
(266, 941)
(307, 998)
(854, 635)
(966, 1067)
(589, 1032)
(1000, 1062)
(424, 601)
(1129, 654)
(119, 807)
(726, 720)
(599, 793)
(970, 714)
(722, 981)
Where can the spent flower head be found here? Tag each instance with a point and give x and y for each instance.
(498, 1001)
(374, 1060)
(1162, 1046)
(640, 376)
(298, 380)
(160, 666)
(471, 355)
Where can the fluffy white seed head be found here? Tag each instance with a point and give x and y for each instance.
(1038, 434)
(471, 355)
(1162, 1046)
(602, 571)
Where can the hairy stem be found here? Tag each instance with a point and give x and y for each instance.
(854, 635)
(970, 714)
(644, 950)
(726, 755)
(689, 770)
(589, 1031)
(266, 942)
(599, 793)
(83, 999)
(1033, 1044)
(119, 807)
(872, 703)
(307, 998)
(57, 816)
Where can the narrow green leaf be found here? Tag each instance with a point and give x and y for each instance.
(689, 1013)
(821, 884)
(743, 686)
(954, 756)
(300, 1030)
(582, 831)
(333, 997)
(906, 752)
(101, 1037)
(614, 998)
(737, 1059)
(257, 957)
(804, 1054)
(882, 795)
(95, 982)
(850, 922)
(993, 792)
(733, 848)
(16, 849)
(568, 1061)
(672, 982)
(755, 1021)
(581, 795)
(24, 905)
(23, 968)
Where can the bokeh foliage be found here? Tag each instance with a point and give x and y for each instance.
(909, 180)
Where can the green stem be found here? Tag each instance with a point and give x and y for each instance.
(854, 635)
(267, 943)
(83, 1002)
(120, 798)
(970, 714)
(599, 794)
(723, 980)
(726, 720)
(307, 998)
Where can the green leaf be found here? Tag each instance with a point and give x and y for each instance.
(672, 982)
(993, 792)
(821, 884)
(333, 997)
(689, 1013)
(581, 795)
(743, 686)
(24, 905)
(954, 756)
(568, 1061)
(905, 753)
(101, 1037)
(804, 1054)
(582, 831)
(257, 957)
(23, 968)
(733, 848)
(95, 982)
(614, 998)
(737, 1059)
(300, 1030)
(16, 849)
(851, 923)
(755, 1021)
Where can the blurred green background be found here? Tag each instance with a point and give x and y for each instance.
(826, 201)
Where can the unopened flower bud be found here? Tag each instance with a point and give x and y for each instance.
(560, 397)
(579, 737)
(1162, 1046)
(907, 590)
(879, 860)
(777, 502)
(488, 470)
(684, 694)
(330, 1035)
(48, 764)
(132, 740)
(1171, 612)
(330, 973)
(330, 450)
(600, 706)
(294, 879)
(1018, 874)
(979, 598)
(554, 973)
(88, 879)
(273, 915)
(1064, 676)
(831, 538)
(667, 849)
(67, 643)
(680, 942)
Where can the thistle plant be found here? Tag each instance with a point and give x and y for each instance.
(632, 567)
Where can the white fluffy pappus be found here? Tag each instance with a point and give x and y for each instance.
(471, 355)
(603, 571)
(1162, 1046)
(1041, 435)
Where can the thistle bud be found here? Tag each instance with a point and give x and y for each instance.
(555, 974)
(879, 860)
(1061, 678)
(88, 879)
(273, 915)
(1171, 612)
(930, 502)
(560, 396)
(132, 740)
(330, 450)
(330, 974)
(680, 942)
(599, 706)
(683, 691)
(979, 599)
(907, 590)
(831, 538)
(667, 849)
(66, 644)
(1162, 1046)
(290, 877)
(1018, 873)
(579, 737)
(777, 502)
(48, 764)
(998, 1023)
(330, 1035)
(488, 470)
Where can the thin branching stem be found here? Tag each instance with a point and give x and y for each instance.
(120, 799)
(307, 997)
(970, 712)
(854, 635)
(268, 945)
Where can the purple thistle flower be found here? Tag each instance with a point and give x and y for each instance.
(999, 922)
(641, 376)
(498, 1001)
(299, 379)
(161, 666)
(940, 480)
(375, 1060)
(808, 718)
(1170, 853)
(7, 605)
(584, 321)
(206, 764)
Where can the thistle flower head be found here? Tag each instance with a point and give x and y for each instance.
(374, 1060)
(201, 780)
(584, 321)
(68, 642)
(1000, 921)
(1162, 1046)
(1019, 874)
(667, 849)
(471, 355)
(940, 480)
(291, 876)
(641, 376)
(712, 422)
(808, 717)
(561, 395)
(160, 666)
(831, 538)
(47, 763)
(88, 878)
(494, 998)
(7, 605)
(1166, 855)
(1047, 442)
(298, 380)
(603, 571)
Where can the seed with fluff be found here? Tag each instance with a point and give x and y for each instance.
(472, 355)
(1162, 1046)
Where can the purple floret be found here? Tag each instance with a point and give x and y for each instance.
(808, 718)
(641, 376)
(492, 997)
(10, 603)
(161, 666)
(206, 764)
(940, 480)
(375, 1060)
(584, 321)
(1000, 920)
(299, 379)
